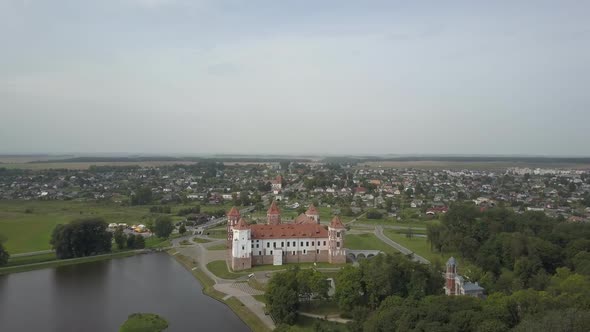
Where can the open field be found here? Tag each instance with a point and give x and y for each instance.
(27, 225)
(366, 241)
(430, 164)
(86, 165)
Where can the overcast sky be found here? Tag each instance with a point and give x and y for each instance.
(338, 77)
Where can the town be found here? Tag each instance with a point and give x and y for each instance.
(401, 194)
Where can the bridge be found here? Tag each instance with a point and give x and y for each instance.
(361, 254)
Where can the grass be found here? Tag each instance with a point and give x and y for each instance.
(33, 259)
(260, 298)
(144, 323)
(246, 315)
(28, 232)
(419, 245)
(64, 262)
(366, 242)
(234, 304)
(219, 234)
(217, 247)
(201, 240)
(156, 242)
(220, 269)
(394, 222)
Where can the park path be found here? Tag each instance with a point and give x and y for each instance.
(398, 247)
(237, 288)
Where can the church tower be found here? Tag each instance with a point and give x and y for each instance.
(313, 213)
(273, 215)
(450, 287)
(233, 216)
(241, 252)
(336, 251)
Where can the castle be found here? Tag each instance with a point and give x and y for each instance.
(302, 240)
(456, 285)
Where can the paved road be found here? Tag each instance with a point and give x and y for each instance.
(399, 247)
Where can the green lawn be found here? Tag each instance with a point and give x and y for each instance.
(394, 222)
(13, 261)
(217, 234)
(26, 232)
(366, 242)
(217, 247)
(419, 245)
(200, 240)
(220, 269)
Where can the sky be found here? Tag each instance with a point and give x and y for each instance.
(295, 77)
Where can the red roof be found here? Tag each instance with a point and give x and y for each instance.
(278, 179)
(285, 231)
(312, 210)
(234, 212)
(360, 190)
(273, 209)
(241, 224)
(336, 223)
(304, 219)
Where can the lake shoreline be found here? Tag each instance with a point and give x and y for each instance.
(71, 261)
(244, 313)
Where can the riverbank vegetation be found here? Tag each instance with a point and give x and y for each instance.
(140, 322)
(80, 238)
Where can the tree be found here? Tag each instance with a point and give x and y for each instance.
(282, 297)
(163, 226)
(4, 256)
(139, 242)
(348, 293)
(182, 229)
(81, 237)
(143, 196)
(131, 241)
(120, 238)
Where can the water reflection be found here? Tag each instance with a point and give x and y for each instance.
(99, 296)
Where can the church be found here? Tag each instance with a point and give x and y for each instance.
(456, 285)
(302, 240)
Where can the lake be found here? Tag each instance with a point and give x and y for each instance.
(99, 296)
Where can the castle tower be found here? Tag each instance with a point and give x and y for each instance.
(336, 251)
(273, 215)
(313, 213)
(450, 275)
(233, 216)
(241, 251)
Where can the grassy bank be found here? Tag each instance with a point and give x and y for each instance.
(419, 245)
(366, 242)
(220, 268)
(64, 262)
(234, 304)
